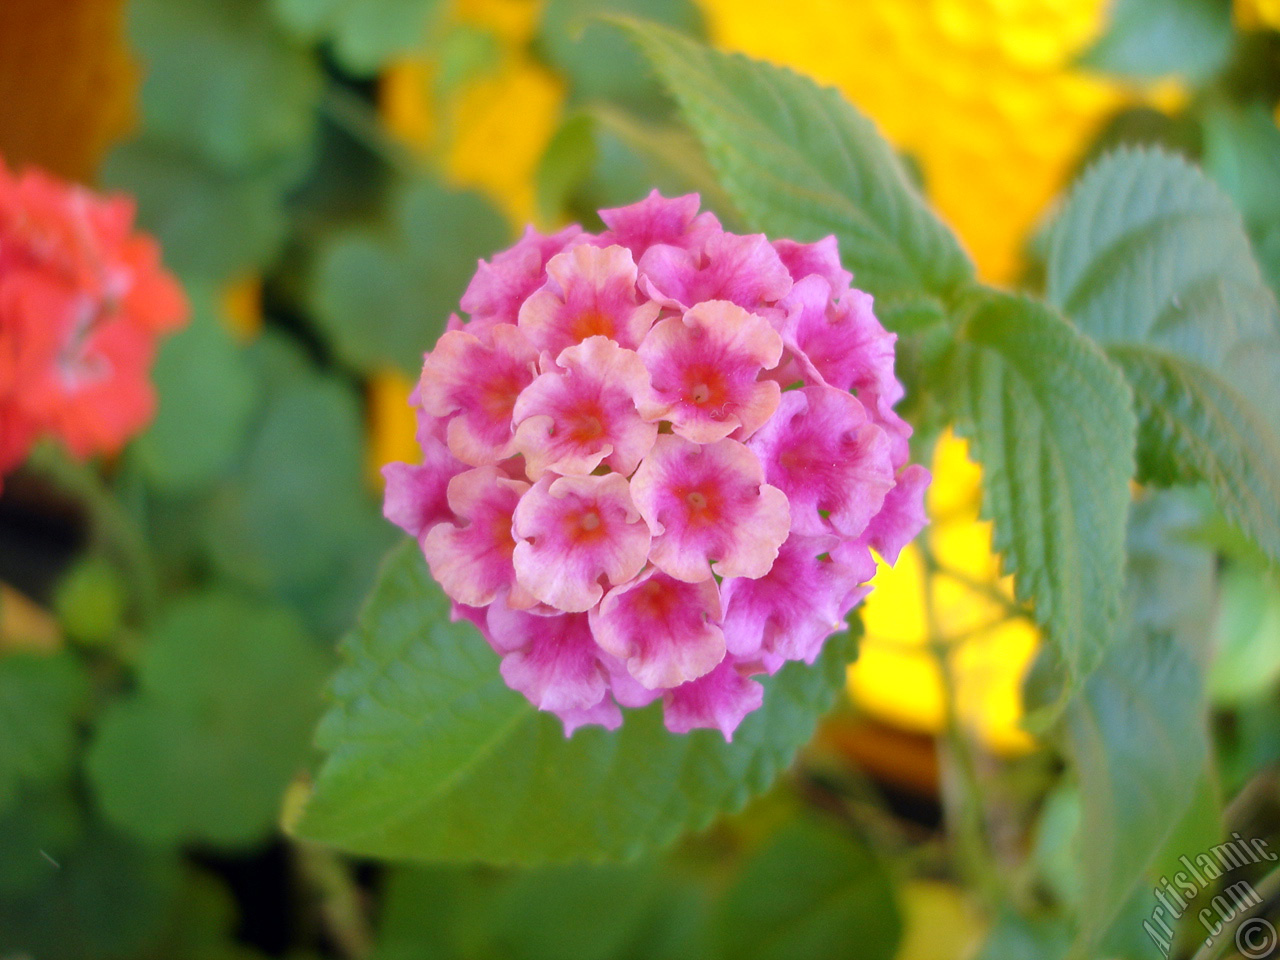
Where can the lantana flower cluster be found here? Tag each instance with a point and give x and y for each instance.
(83, 301)
(657, 461)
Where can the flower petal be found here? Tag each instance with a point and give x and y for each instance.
(476, 384)
(717, 701)
(472, 561)
(655, 219)
(705, 368)
(501, 285)
(590, 291)
(666, 631)
(814, 259)
(573, 531)
(709, 509)
(790, 612)
(583, 412)
(553, 661)
(416, 496)
(903, 514)
(826, 455)
(743, 270)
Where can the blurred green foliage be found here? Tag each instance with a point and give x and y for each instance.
(142, 768)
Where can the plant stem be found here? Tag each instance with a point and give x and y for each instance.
(1267, 890)
(964, 800)
(357, 119)
(111, 523)
(340, 899)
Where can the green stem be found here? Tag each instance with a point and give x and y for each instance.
(340, 900)
(991, 592)
(1267, 890)
(964, 802)
(357, 119)
(112, 525)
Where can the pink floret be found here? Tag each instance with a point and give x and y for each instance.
(658, 462)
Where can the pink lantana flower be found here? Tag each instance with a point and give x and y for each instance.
(658, 463)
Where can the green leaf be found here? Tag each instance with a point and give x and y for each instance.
(813, 891)
(297, 520)
(431, 756)
(36, 833)
(383, 298)
(1015, 938)
(228, 691)
(41, 698)
(1137, 732)
(224, 80)
(1240, 147)
(1150, 259)
(643, 911)
(597, 60)
(206, 394)
(800, 162)
(212, 225)
(365, 34)
(637, 155)
(1051, 423)
(1247, 661)
(107, 899)
(1152, 38)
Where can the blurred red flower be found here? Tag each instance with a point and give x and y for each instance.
(84, 300)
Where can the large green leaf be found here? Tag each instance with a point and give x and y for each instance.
(431, 756)
(1051, 423)
(813, 891)
(1137, 732)
(1150, 259)
(228, 693)
(40, 702)
(799, 161)
(383, 298)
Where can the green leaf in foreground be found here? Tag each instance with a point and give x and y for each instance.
(204, 750)
(40, 702)
(799, 161)
(431, 756)
(814, 891)
(1051, 423)
(1150, 259)
(1137, 733)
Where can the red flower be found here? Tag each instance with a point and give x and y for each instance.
(83, 302)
